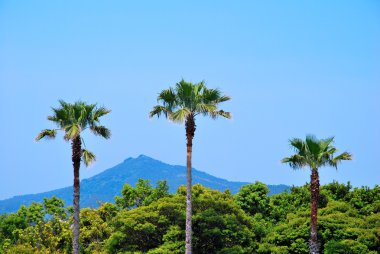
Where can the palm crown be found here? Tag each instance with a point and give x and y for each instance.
(73, 119)
(187, 99)
(314, 153)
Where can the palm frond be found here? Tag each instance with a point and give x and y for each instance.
(185, 94)
(297, 144)
(325, 143)
(215, 114)
(99, 112)
(295, 161)
(168, 98)
(214, 96)
(81, 114)
(60, 116)
(55, 119)
(90, 108)
(211, 95)
(199, 88)
(341, 157)
(223, 99)
(71, 131)
(101, 131)
(313, 145)
(50, 134)
(158, 110)
(331, 150)
(205, 109)
(180, 115)
(88, 157)
(63, 103)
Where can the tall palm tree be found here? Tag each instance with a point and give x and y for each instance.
(73, 119)
(182, 104)
(314, 153)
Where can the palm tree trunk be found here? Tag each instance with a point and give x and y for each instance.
(190, 130)
(314, 191)
(76, 155)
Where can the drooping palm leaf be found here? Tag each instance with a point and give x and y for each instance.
(50, 134)
(88, 157)
(341, 157)
(101, 131)
(215, 114)
(158, 110)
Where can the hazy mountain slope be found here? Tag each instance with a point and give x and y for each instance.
(108, 184)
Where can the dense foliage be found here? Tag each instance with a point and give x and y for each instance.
(147, 219)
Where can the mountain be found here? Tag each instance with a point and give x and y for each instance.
(105, 186)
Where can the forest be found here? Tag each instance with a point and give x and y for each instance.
(146, 218)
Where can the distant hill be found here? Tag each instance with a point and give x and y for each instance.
(105, 186)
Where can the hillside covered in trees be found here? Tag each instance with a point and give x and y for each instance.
(147, 219)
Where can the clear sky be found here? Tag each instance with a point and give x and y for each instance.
(292, 68)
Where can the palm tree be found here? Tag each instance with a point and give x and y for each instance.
(314, 153)
(73, 119)
(182, 104)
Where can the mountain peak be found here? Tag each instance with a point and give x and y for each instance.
(140, 157)
(104, 186)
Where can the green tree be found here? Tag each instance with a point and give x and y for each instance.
(55, 207)
(73, 119)
(10, 223)
(346, 247)
(219, 224)
(34, 213)
(253, 198)
(314, 153)
(143, 194)
(94, 230)
(182, 104)
(161, 190)
(338, 191)
(365, 199)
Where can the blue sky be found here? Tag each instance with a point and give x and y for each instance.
(292, 68)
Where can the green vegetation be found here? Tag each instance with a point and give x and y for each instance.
(184, 103)
(314, 153)
(73, 119)
(147, 219)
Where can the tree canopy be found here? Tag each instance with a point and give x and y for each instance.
(223, 223)
(189, 99)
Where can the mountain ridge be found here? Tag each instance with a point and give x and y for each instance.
(104, 186)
